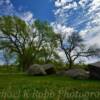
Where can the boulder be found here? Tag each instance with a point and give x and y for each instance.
(49, 68)
(75, 73)
(94, 70)
(36, 69)
(45, 69)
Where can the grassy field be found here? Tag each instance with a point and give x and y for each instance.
(19, 86)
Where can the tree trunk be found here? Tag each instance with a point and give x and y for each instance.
(70, 64)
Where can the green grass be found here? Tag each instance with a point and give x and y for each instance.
(24, 87)
(9, 69)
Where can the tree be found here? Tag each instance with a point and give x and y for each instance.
(74, 48)
(24, 40)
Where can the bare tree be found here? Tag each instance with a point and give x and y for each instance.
(74, 47)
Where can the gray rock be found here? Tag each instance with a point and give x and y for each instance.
(49, 68)
(94, 70)
(75, 73)
(36, 70)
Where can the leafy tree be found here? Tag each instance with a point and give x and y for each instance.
(27, 42)
(74, 48)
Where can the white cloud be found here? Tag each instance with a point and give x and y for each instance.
(83, 2)
(70, 6)
(59, 3)
(62, 55)
(28, 17)
(65, 4)
(95, 40)
(62, 29)
(83, 33)
(95, 5)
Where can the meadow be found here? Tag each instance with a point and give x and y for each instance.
(20, 86)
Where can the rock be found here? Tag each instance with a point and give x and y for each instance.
(94, 70)
(36, 70)
(78, 73)
(49, 68)
(45, 69)
(75, 73)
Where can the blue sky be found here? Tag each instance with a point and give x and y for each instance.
(41, 9)
(65, 16)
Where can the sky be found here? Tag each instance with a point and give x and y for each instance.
(65, 16)
(40, 9)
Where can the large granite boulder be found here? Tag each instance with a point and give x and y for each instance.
(36, 70)
(45, 69)
(75, 73)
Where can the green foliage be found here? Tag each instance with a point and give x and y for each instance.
(44, 29)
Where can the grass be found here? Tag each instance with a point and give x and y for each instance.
(9, 69)
(24, 87)
(47, 88)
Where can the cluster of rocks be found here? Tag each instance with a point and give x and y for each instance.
(76, 73)
(48, 69)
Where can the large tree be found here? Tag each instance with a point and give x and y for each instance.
(74, 48)
(24, 40)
